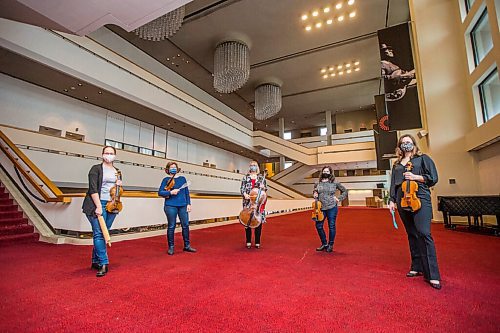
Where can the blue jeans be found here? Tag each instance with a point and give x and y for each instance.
(331, 215)
(99, 253)
(172, 212)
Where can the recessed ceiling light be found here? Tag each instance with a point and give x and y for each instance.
(350, 2)
(332, 75)
(99, 92)
(341, 73)
(341, 18)
(72, 88)
(356, 63)
(86, 97)
(329, 21)
(348, 71)
(352, 14)
(325, 76)
(79, 84)
(331, 69)
(339, 5)
(326, 10)
(323, 70)
(347, 65)
(339, 67)
(308, 28)
(304, 17)
(356, 70)
(315, 13)
(66, 90)
(318, 25)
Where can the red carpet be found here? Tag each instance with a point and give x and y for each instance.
(284, 287)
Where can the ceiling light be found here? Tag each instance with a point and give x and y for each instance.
(329, 21)
(339, 67)
(304, 17)
(339, 5)
(100, 92)
(356, 69)
(332, 75)
(347, 65)
(323, 70)
(356, 63)
(318, 25)
(341, 73)
(315, 13)
(308, 28)
(348, 71)
(326, 10)
(352, 14)
(341, 18)
(325, 76)
(231, 66)
(163, 27)
(350, 2)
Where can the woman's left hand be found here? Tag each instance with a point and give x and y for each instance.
(119, 182)
(188, 208)
(336, 199)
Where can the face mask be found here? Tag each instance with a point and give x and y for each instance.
(407, 146)
(325, 175)
(172, 171)
(108, 158)
(253, 168)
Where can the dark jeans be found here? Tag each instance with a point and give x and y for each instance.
(422, 249)
(172, 212)
(331, 215)
(99, 253)
(258, 233)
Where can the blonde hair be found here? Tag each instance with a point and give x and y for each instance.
(258, 168)
(401, 154)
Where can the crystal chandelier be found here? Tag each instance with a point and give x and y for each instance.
(231, 66)
(267, 100)
(163, 27)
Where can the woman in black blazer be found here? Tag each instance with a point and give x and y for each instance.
(102, 177)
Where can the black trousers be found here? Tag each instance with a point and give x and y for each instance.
(258, 232)
(422, 249)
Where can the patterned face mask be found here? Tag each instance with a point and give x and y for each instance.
(407, 146)
(253, 168)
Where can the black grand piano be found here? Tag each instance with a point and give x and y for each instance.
(471, 206)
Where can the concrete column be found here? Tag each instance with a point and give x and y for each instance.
(281, 127)
(329, 129)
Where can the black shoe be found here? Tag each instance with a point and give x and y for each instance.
(435, 285)
(189, 249)
(95, 266)
(102, 271)
(170, 251)
(413, 274)
(329, 248)
(322, 247)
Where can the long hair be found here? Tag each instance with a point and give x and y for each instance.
(401, 154)
(331, 179)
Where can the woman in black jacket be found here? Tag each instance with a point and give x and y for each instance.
(102, 177)
(417, 223)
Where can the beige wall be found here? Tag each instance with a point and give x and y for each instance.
(448, 105)
(354, 120)
(488, 165)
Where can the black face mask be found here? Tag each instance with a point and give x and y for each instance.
(325, 175)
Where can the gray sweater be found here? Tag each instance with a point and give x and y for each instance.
(326, 193)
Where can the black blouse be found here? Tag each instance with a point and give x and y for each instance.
(424, 166)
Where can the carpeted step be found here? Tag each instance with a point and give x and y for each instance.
(16, 229)
(6, 201)
(22, 238)
(10, 214)
(4, 195)
(8, 208)
(13, 221)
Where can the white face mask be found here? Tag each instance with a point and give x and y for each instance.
(108, 158)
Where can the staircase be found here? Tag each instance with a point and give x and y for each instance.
(14, 228)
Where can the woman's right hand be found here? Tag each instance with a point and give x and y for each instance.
(98, 210)
(246, 196)
(392, 206)
(315, 195)
(174, 192)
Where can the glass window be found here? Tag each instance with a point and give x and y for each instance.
(323, 131)
(489, 90)
(133, 148)
(145, 151)
(287, 135)
(481, 39)
(112, 143)
(468, 4)
(288, 164)
(160, 154)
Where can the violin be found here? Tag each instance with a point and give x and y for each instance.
(317, 213)
(410, 201)
(250, 215)
(115, 205)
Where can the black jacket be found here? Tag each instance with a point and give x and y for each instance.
(95, 184)
(422, 165)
